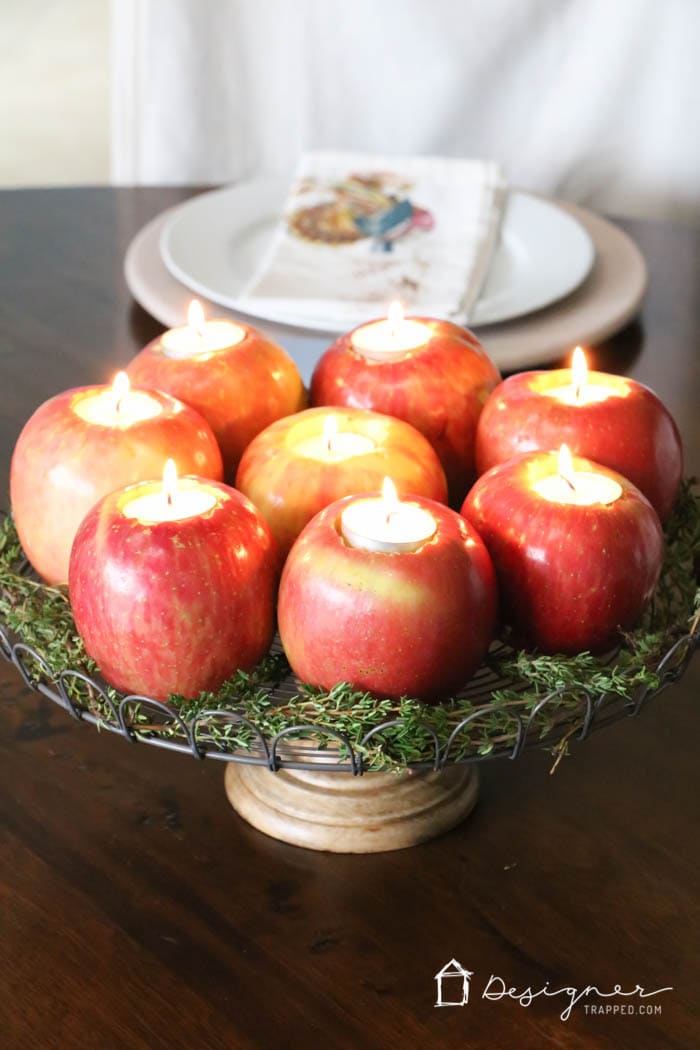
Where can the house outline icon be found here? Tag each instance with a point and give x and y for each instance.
(453, 969)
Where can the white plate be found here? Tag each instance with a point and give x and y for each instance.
(214, 243)
(605, 302)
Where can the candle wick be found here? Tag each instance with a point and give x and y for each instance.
(569, 482)
(198, 328)
(169, 499)
(577, 391)
(329, 444)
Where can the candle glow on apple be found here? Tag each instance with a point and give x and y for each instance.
(392, 338)
(580, 391)
(172, 585)
(199, 336)
(386, 524)
(301, 464)
(332, 446)
(117, 406)
(576, 487)
(577, 551)
(175, 500)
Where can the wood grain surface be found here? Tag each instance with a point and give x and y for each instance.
(138, 911)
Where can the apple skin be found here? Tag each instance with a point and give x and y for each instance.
(239, 390)
(174, 607)
(62, 466)
(414, 624)
(569, 577)
(288, 489)
(633, 434)
(439, 388)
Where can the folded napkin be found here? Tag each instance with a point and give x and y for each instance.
(361, 230)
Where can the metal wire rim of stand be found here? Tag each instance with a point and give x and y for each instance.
(314, 747)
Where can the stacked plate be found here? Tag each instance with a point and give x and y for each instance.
(560, 274)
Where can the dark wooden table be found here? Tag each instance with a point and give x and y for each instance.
(139, 911)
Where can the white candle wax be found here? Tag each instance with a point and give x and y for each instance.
(579, 391)
(106, 408)
(207, 338)
(587, 489)
(386, 340)
(187, 500)
(332, 449)
(369, 524)
(585, 395)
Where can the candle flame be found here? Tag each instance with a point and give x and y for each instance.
(120, 388)
(565, 467)
(330, 430)
(169, 481)
(195, 317)
(579, 372)
(390, 497)
(395, 315)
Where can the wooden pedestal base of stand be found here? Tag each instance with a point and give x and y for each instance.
(340, 813)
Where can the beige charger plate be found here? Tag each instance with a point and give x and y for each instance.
(606, 301)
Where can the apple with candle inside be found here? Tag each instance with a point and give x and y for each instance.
(433, 374)
(85, 442)
(300, 464)
(576, 546)
(394, 597)
(231, 373)
(609, 419)
(172, 585)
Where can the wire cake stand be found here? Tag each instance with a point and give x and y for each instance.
(304, 802)
(285, 782)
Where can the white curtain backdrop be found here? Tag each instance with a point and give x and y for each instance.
(597, 101)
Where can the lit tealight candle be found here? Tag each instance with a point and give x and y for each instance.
(116, 406)
(579, 391)
(200, 336)
(386, 524)
(577, 487)
(392, 338)
(176, 500)
(331, 446)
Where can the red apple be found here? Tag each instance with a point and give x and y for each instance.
(440, 388)
(174, 606)
(412, 624)
(62, 465)
(570, 577)
(630, 430)
(289, 487)
(239, 390)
